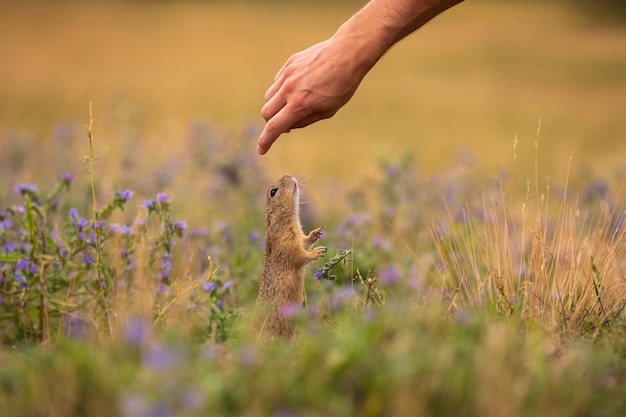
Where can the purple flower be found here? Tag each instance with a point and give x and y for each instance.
(124, 195)
(99, 224)
(33, 269)
(126, 230)
(73, 213)
(137, 331)
(227, 285)
(149, 203)
(26, 187)
(389, 275)
(167, 265)
(209, 286)
(289, 310)
(254, 235)
(21, 265)
(9, 247)
(6, 224)
(220, 304)
(67, 177)
(159, 358)
(163, 198)
(82, 222)
(180, 225)
(88, 260)
(319, 275)
(80, 236)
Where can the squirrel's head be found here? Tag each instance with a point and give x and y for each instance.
(282, 200)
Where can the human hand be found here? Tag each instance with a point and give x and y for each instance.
(312, 85)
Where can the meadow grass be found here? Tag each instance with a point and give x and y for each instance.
(480, 279)
(448, 296)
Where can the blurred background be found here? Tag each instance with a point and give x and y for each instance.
(460, 89)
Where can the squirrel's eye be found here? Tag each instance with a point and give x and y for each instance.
(273, 192)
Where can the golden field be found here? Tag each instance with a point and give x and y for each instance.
(469, 82)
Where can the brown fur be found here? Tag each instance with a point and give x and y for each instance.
(286, 255)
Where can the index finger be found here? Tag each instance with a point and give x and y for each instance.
(280, 123)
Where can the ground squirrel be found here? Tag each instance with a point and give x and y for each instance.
(286, 254)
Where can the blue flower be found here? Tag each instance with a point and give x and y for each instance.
(73, 213)
(82, 222)
(319, 275)
(6, 224)
(167, 265)
(88, 260)
(149, 204)
(209, 286)
(80, 236)
(21, 265)
(227, 285)
(124, 195)
(33, 269)
(26, 187)
(126, 230)
(9, 247)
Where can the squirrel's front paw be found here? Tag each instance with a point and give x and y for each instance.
(319, 252)
(315, 235)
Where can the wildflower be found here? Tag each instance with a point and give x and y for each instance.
(99, 225)
(209, 286)
(88, 260)
(227, 285)
(126, 230)
(6, 224)
(149, 204)
(8, 247)
(137, 331)
(124, 195)
(319, 275)
(114, 228)
(73, 213)
(254, 235)
(80, 236)
(180, 225)
(26, 187)
(33, 269)
(67, 178)
(82, 222)
(163, 198)
(220, 304)
(21, 265)
(159, 358)
(289, 310)
(389, 275)
(166, 265)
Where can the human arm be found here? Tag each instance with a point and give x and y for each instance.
(315, 83)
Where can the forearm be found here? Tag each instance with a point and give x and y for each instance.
(382, 23)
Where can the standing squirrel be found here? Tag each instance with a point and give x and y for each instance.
(286, 255)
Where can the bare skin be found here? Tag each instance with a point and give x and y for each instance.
(315, 83)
